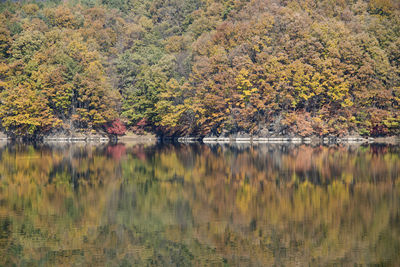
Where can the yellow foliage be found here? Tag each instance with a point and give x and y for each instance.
(30, 8)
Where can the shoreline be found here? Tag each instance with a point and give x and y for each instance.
(394, 140)
(151, 138)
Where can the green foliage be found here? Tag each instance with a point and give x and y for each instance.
(55, 66)
(207, 67)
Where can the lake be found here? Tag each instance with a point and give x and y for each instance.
(199, 205)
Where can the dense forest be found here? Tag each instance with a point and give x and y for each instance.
(201, 67)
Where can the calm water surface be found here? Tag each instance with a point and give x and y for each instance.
(196, 205)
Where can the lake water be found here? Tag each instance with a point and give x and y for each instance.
(201, 205)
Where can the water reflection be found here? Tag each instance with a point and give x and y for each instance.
(199, 205)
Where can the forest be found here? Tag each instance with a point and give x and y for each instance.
(200, 67)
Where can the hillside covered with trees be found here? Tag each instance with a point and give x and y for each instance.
(201, 67)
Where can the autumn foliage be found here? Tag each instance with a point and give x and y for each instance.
(202, 67)
(116, 128)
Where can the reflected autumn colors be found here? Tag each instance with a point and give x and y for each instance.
(199, 205)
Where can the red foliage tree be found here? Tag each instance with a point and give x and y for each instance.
(117, 128)
(139, 127)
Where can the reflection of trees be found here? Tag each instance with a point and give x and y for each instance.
(50, 198)
(199, 205)
(273, 204)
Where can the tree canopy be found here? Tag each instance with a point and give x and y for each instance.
(201, 67)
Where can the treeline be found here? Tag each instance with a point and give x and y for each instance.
(181, 67)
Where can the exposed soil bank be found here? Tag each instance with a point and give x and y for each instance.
(3, 137)
(131, 137)
(239, 138)
(101, 138)
(88, 138)
(395, 140)
(74, 138)
(299, 140)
